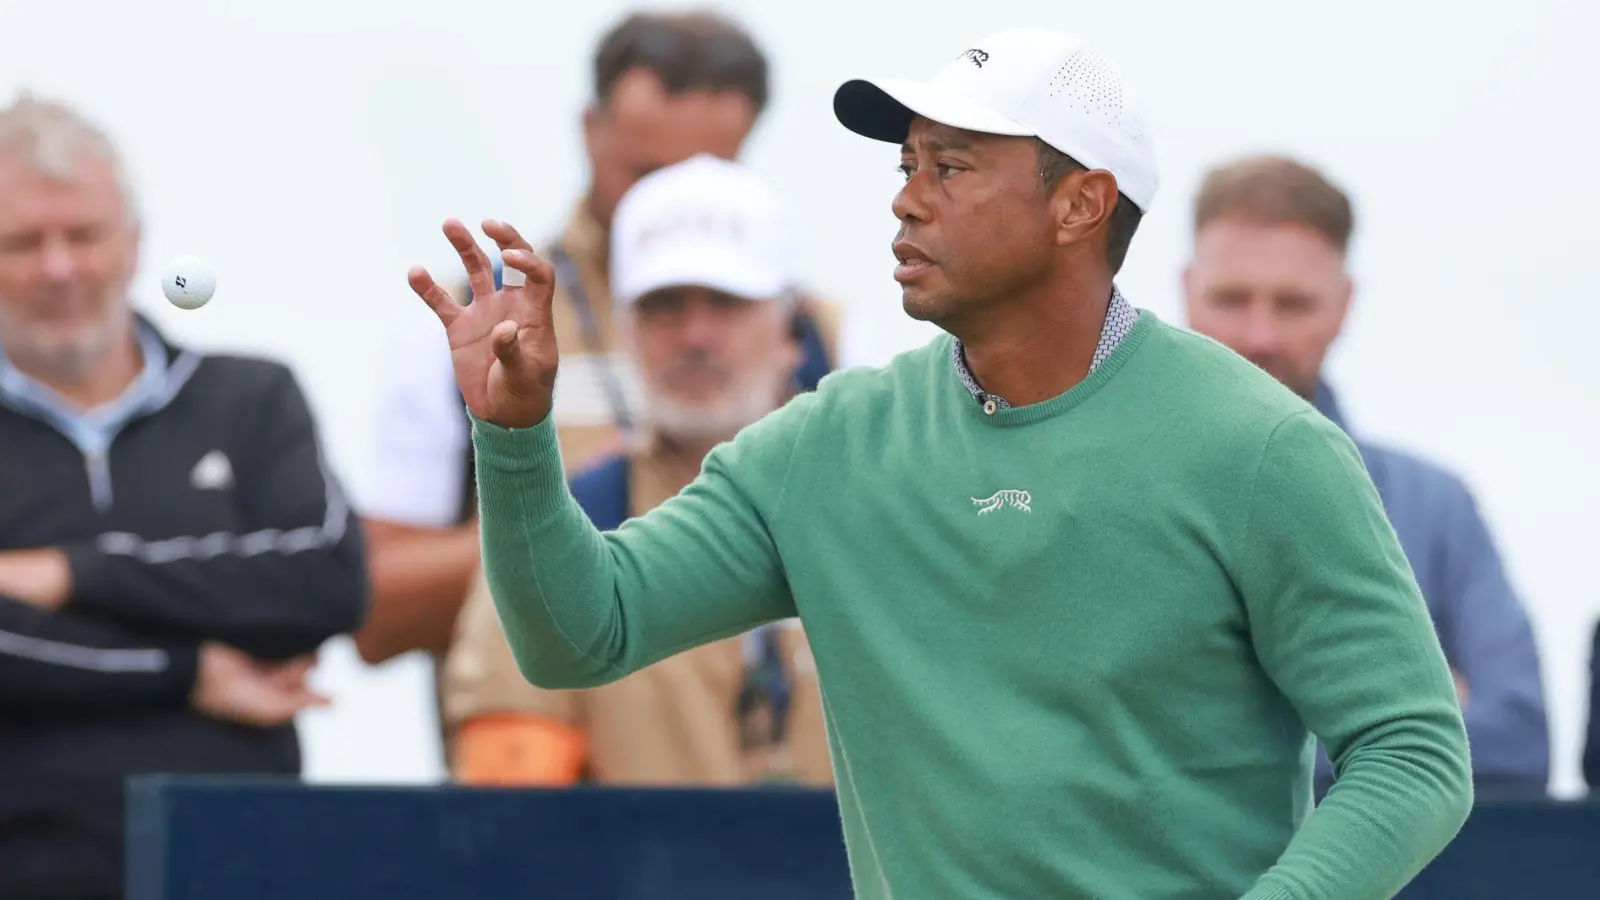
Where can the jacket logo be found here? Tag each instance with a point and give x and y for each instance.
(212, 473)
(978, 57)
(1014, 499)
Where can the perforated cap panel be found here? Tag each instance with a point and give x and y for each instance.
(1091, 83)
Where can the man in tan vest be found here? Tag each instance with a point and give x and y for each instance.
(701, 276)
(668, 85)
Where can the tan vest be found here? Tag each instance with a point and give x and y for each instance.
(479, 675)
(672, 723)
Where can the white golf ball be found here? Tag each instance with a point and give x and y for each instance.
(188, 282)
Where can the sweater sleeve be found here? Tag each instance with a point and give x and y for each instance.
(62, 662)
(583, 608)
(1339, 624)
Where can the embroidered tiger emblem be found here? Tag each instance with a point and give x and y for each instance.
(1014, 499)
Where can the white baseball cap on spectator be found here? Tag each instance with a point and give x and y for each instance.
(1027, 82)
(704, 222)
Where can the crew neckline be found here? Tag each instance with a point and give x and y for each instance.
(992, 414)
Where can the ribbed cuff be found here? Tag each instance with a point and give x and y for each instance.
(1269, 892)
(515, 449)
(519, 462)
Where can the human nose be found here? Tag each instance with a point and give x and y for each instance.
(57, 262)
(911, 201)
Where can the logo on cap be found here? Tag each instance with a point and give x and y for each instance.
(978, 57)
(702, 224)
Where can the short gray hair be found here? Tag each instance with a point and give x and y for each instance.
(53, 139)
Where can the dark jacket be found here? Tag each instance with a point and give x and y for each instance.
(198, 507)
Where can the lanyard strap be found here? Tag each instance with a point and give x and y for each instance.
(567, 277)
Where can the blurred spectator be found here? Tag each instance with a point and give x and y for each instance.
(667, 86)
(1268, 279)
(158, 509)
(703, 287)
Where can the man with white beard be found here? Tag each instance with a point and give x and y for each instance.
(701, 274)
(173, 551)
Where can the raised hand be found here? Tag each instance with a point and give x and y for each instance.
(502, 345)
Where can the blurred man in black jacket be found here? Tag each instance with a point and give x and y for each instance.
(173, 549)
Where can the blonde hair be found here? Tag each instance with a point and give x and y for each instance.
(54, 139)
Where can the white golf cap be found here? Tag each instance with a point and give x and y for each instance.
(704, 222)
(1029, 82)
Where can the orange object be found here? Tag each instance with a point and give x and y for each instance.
(513, 749)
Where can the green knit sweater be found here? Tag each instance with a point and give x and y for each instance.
(1075, 649)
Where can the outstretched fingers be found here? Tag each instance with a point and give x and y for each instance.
(437, 298)
(505, 235)
(528, 263)
(523, 265)
(480, 271)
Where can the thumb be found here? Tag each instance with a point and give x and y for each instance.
(504, 341)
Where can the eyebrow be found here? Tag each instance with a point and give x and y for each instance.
(953, 141)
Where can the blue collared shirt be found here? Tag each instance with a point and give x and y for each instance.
(92, 431)
(1480, 621)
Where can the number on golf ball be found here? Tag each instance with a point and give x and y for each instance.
(188, 282)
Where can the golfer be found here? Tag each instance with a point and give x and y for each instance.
(1081, 585)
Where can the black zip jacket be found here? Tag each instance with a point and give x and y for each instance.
(211, 515)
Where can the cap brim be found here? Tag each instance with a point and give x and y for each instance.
(882, 109)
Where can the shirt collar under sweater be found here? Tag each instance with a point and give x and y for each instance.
(1120, 316)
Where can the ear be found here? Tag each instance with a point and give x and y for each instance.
(135, 243)
(1346, 294)
(591, 125)
(737, 117)
(1082, 204)
(1188, 282)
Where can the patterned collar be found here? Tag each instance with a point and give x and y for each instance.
(1120, 318)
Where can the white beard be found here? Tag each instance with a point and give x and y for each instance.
(65, 357)
(721, 418)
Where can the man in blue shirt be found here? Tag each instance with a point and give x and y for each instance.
(1268, 279)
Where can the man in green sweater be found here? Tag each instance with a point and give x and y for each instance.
(1081, 586)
